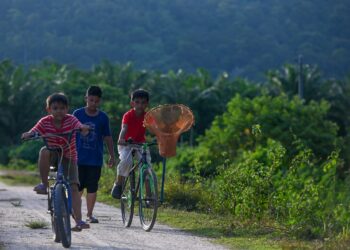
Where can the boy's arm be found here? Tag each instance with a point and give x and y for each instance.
(77, 124)
(84, 129)
(122, 133)
(38, 128)
(110, 147)
(27, 135)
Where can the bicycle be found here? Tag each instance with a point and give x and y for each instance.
(59, 194)
(145, 191)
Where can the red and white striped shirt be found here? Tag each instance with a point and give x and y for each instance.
(46, 126)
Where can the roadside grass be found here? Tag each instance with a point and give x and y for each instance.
(11, 179)
(36, 224)
(18, 177)
(16, 202)
(222, 230)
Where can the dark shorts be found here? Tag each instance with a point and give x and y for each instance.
(89, 177)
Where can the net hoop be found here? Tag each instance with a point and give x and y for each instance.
(168, 122)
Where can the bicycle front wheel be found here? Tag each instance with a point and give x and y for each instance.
(127, 199)
(148, 199)
(50, 209)
(62, 215)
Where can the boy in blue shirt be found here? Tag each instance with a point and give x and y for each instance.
(90, 147)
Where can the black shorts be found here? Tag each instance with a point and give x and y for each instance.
(89, 177)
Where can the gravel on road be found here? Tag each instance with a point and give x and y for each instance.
(20, 205)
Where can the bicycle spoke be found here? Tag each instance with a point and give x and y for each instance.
(127, 200)
(148, 199)
(61, 215)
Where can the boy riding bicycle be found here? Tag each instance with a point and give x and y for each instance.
(58, 121)
(132, 127)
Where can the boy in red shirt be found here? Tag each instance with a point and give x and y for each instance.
(58, 121)
(132, 127)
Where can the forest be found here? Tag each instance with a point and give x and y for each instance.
(240, 37)
(257, 151)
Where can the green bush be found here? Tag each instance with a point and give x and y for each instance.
(184, 195)
(107, 180)
(28, 151)
(244, 187)
(4, 155)
(278, 118)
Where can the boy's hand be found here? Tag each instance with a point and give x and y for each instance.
(27, 135)
(84, 129)
(121, 142)
(111, 161)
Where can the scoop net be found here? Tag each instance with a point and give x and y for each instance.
(167, 122)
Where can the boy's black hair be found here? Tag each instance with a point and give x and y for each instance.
(94, 91)
(57, 97)
(140, 93)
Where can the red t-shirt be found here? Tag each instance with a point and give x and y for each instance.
(136, 130)
(46, 126)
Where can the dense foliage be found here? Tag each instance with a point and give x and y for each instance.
(244, 38)
(257, 152)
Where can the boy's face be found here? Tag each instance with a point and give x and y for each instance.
(92, 102)
(139, 104)
(58, 110)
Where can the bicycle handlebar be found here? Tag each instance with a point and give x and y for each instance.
(131, 143)
(37, 136)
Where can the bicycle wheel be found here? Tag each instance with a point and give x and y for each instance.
(62, 215)
(148, 199)
(128, 199)
(50, 209)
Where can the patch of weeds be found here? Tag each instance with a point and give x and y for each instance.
(19, 178)
(36, 224)
(16, 203)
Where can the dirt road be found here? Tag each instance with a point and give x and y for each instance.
(20, 205)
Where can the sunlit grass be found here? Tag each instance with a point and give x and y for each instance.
(221, 230)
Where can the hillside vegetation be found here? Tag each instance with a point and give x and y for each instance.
(257, 153)
(243, 38)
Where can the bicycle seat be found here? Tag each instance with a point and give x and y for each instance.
(53, 168)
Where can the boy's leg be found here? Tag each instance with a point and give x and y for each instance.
(82, 178)
(90, 202)
(120, 180)
(94, 174)
(44, 168)
(123, 169)
(72, 176)
(76, 202)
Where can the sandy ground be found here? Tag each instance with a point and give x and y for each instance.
(20, 205)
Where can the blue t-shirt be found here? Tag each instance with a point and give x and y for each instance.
(90, 147)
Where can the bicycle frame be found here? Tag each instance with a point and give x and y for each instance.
(142, 164)
(145, 191)
(60, 179)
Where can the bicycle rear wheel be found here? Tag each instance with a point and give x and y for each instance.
(148, 199)
(62, 215)
(128, 199)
